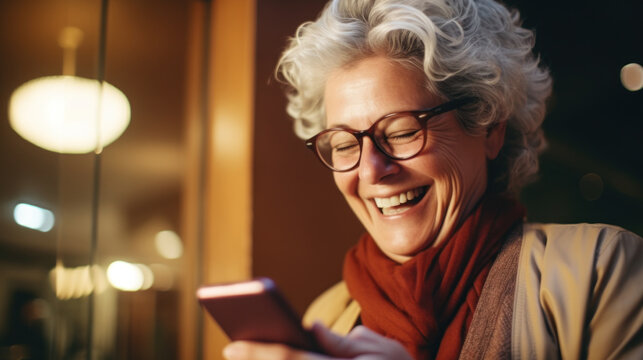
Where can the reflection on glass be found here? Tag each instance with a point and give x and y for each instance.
(77, 282)
(56, 300)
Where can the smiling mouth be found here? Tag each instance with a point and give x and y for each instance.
(401, 202)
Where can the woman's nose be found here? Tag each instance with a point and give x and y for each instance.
(374, 165)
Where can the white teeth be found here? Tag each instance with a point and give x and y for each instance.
(392, 211)
(396, 200)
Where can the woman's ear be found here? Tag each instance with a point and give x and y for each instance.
(495, 139)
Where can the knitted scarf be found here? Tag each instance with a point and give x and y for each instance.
(427, 303)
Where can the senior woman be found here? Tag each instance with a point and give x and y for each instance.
(428, 112)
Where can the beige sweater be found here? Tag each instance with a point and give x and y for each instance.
(555, 291)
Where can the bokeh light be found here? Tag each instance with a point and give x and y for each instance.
(632, 77)
(591, 186)
(125, 276)
(77, 282)
(168, 244)
(33, 217)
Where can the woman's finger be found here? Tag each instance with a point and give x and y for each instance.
(360, 343)
(333, 344)
(246, 350)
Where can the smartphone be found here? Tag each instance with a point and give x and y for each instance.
(255, 310)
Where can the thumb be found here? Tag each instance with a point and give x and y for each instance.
(331, 343)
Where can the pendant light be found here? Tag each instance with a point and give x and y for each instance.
(67, 113)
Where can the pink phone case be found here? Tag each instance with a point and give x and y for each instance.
(255, 310)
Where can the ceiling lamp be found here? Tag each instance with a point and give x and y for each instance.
(67, 113)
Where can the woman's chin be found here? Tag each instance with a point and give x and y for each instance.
(401, 245)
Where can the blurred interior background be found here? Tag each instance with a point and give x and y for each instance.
(208, 183)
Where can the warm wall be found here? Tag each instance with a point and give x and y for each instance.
(301, 225)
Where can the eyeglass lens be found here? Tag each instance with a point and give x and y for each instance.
(399, 137)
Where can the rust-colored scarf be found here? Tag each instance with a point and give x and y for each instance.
(427, 303)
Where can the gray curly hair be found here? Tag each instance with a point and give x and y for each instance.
(466, 48)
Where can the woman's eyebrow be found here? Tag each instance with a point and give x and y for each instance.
(340, 125)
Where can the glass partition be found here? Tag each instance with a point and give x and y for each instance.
(45, 260)
(91, 243)
(139, 235)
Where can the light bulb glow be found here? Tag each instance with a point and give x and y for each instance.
(125, 276)
(33, 217)
(168, 244)
(77, 282)
(148, 276)
(69, 114)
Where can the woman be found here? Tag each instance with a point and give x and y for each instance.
(428, 112)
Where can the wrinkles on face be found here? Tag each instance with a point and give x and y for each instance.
(462, 172)
(450, 171)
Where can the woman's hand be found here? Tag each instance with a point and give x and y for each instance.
(360, 344)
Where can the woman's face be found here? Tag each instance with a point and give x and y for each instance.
(446, 179)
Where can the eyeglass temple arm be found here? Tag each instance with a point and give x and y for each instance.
(453, 104)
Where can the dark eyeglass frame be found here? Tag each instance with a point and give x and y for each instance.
(422, 117)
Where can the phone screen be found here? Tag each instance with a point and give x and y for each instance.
(255, 310)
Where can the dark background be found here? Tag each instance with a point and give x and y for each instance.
(593, 124)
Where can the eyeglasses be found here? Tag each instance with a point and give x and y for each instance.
(399, 135)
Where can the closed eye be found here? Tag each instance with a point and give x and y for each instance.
(346, 147)
(402, 137)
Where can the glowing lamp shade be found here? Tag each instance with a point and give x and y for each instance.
(69, 114)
